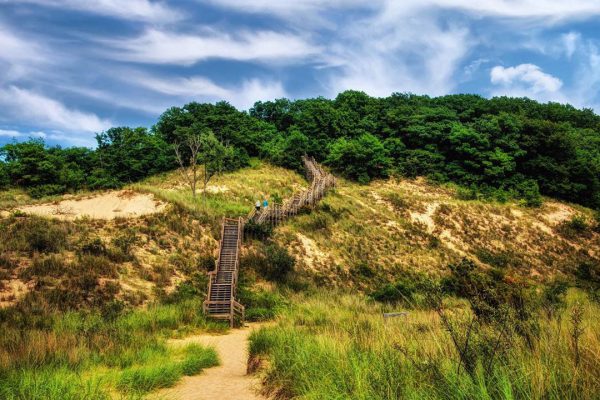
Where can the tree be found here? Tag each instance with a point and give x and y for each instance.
(363, 158)
(288, 151)
(200, 156)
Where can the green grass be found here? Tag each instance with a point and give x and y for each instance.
(240, 189)
(148, 378)
(81, 354)
(328, 347)
(50, 384)
(197, 358)
(165, 370)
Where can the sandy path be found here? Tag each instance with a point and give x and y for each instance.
(228, 380)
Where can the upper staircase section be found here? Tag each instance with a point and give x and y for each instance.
(320, 182)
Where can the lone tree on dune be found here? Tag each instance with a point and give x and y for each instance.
(200, 156)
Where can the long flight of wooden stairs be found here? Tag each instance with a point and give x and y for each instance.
(221, 301)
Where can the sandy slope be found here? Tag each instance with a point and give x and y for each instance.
(228, 380)
(109, 205)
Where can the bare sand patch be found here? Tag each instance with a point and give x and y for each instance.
(313, 255)
(557, 212)
(14, 290)
(426, 218)
(109, 205)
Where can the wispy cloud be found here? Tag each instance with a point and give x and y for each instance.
(167, 47)
(556, 10)
(199, 88)
(10, 133)
(142, 10)
(34, 108)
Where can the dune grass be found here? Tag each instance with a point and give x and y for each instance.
(84, 355)
(329, 347)
(231, 194)
(166, 370)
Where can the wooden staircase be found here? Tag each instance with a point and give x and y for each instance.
(320, 181)
(221, 300)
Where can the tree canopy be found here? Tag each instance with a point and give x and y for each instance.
(500, 146)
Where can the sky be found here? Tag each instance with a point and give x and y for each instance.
(72, 68)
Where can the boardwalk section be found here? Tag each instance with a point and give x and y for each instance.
(320, 181)
(221, 301)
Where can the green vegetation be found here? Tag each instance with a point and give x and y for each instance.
(45, 354)
(500, 148)
(337, 346)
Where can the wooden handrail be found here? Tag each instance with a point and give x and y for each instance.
(225, 303)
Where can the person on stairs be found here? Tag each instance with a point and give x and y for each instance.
(257, 206)
(265, 203)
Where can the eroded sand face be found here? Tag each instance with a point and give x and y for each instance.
(109, 205)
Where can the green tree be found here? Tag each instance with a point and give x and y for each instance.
(288, 150)
(363, 158)
(200, 156)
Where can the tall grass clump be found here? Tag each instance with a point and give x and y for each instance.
(335, 345)
(46, 353)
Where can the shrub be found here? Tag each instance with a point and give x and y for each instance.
(123, 245)
(40, 191)
(406, 289)
(49, 266)
(271, 261)
(33, 234)
(554, 297)
(588, 271)
(94, 246)
(257, 231)
(578, 225)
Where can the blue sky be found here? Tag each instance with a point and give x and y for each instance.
(71, 68)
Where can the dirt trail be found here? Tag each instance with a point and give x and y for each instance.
(228, 380)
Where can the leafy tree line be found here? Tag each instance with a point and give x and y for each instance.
(501, 147)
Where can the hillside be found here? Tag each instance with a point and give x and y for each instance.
(137, 261)
(361, 236)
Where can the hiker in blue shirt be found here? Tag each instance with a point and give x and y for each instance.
(265, 204)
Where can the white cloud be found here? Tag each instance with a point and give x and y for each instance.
(569, 43)
(199, 88)
(18, 134)
(143, 10)
(555, 10)
(35, 109)
(165, 47)
(529, 74)
(19, 56)
(527, 80)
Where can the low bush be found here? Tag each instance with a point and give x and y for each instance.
(261, 304)
(34, 234)
(411, 288)
(577, 226)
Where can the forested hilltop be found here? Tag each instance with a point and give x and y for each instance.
(500, 147)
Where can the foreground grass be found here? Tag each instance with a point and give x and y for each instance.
(87, 355)
(326, 347)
